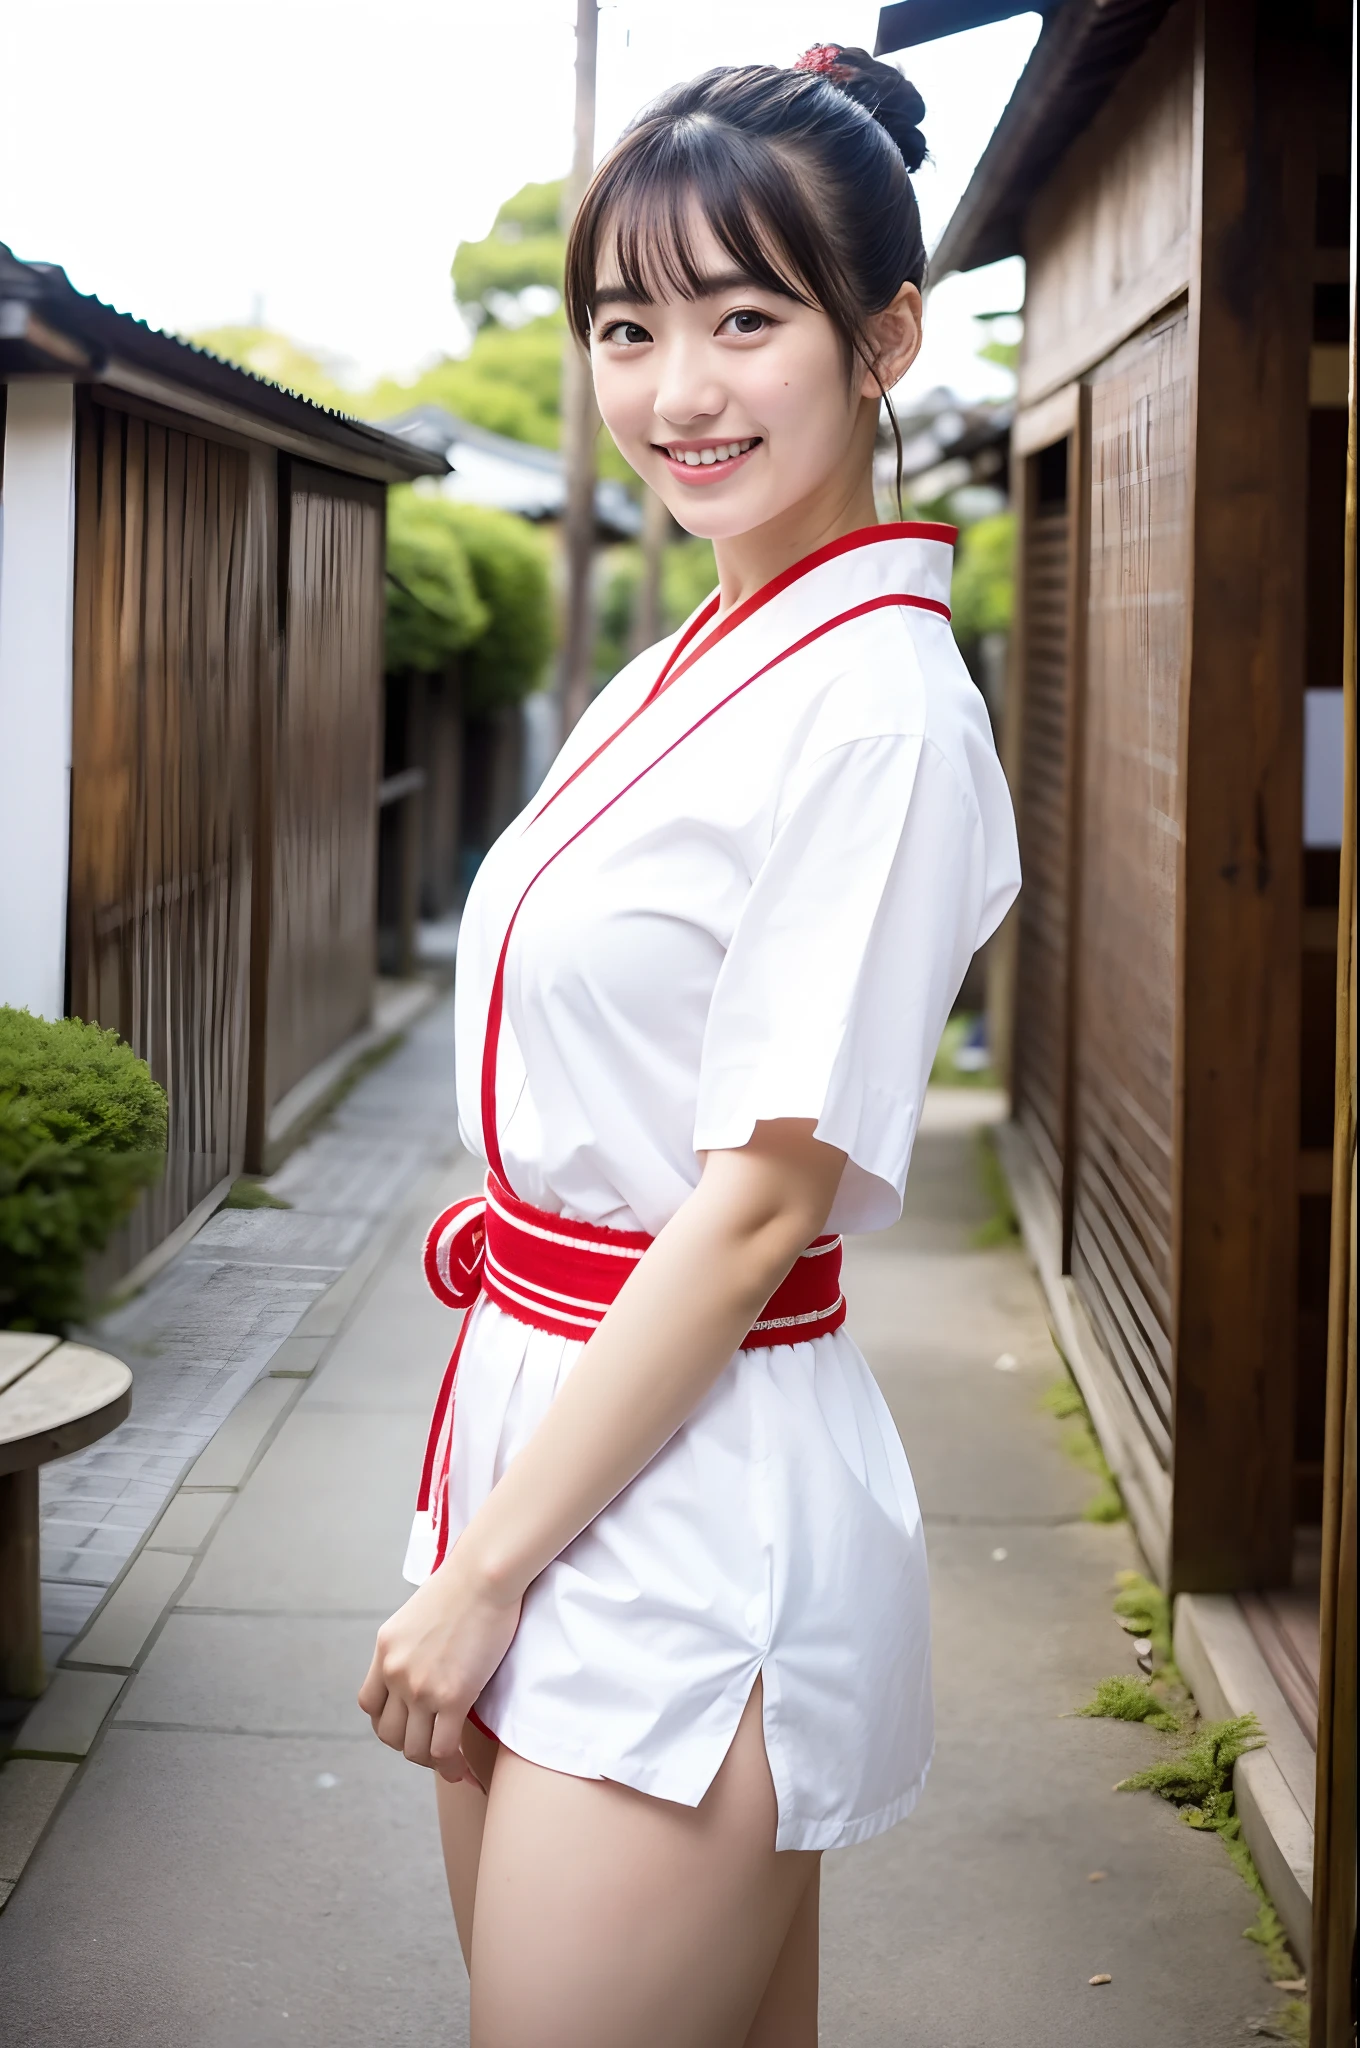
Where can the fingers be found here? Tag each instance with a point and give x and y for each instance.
(415, 1745)
(446, 1748)
(391, 1723)
(373, 1691)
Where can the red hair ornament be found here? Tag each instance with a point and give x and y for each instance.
(824, 59)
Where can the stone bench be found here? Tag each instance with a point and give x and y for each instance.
(54, 1398)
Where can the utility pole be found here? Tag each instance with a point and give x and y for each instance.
(580, 420)
(656, 532)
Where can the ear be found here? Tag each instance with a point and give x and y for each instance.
(895, 340)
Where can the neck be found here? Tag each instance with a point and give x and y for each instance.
(748, 561)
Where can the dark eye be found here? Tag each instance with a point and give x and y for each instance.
(748, 321)
(625, 333)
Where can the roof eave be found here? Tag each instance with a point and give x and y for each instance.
(47, 328)
(1083, 50)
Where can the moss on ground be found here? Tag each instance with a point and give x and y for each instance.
(249, 1193)
(1144, 1610)
(1080, 1443)
(1129, 1699)
(1002, 1226)
(1196, 1776)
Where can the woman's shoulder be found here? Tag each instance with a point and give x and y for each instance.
(898, 674)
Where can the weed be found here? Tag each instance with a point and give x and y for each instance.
(1081, 1444)
(1129, 1699)
(1002, 1226)
(1289, 2024)
(247, 1193)
(1144, 1610)
(1198, 1779)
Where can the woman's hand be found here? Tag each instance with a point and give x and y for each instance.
(433, 1659)
(681, 1314)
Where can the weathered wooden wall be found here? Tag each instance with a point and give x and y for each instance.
(1108, 242)
(322, 741)
(1125, 966)
(167, 608)
(1156, 1069)
(1039, 1046)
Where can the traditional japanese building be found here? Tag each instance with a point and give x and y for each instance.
(191, 619)
(1177, 176)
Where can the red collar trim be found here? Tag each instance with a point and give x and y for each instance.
(863, 536)
(685, 652)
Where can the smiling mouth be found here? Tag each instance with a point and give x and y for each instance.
(703, 461)
(707, 454)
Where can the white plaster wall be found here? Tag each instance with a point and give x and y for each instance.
(37, 556)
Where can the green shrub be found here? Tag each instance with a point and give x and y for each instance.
(510, 568)
(433, 610)
(984, 579)
(82, 1132)
(688, 576)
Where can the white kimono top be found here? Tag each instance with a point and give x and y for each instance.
(774, 922)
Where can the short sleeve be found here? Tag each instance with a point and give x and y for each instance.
(886, 872)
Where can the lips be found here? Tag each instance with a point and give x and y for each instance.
(695, 462)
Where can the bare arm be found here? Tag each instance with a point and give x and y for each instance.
(683, 1312)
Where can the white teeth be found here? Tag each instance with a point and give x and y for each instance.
(724, 451)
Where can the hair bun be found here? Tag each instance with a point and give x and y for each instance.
(881, 90)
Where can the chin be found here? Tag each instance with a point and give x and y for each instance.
(708, 521)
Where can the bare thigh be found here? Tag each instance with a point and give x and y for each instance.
(605, 1918)
(462, 1817)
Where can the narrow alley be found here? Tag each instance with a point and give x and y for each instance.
(238, 1864)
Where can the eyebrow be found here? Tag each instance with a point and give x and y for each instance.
(706, 288)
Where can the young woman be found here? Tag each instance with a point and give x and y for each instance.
(672, 1581)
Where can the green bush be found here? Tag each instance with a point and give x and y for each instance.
(433, 610)
(82, 1132)
(688, 575)
(984, 579)
(510, 568)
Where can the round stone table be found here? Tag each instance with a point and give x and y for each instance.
(54, 1398)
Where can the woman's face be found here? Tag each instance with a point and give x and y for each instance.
(735, 406)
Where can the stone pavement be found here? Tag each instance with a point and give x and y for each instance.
(209, 1324)
(239, 1864)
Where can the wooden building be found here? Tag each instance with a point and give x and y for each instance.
(1177, 176)
(191, 615)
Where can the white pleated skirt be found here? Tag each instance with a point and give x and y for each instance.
(776, 1535)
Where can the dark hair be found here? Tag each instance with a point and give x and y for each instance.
(803, 176)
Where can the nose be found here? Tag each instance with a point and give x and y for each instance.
(687, 391)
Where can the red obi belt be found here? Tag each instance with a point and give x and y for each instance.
(561, 1276)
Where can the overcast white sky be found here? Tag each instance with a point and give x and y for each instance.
(198, 161)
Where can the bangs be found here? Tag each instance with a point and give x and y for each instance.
(637, 221)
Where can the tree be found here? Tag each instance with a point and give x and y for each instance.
(514, 273)
(465, 581)
(509, 290)
(510, 565)
(433, 608)
(281, 361)
(984, 579)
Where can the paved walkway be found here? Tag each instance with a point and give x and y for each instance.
(211, 1322)
(239, 1864)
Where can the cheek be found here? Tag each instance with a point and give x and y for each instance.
(807, 409)
(623, 397)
